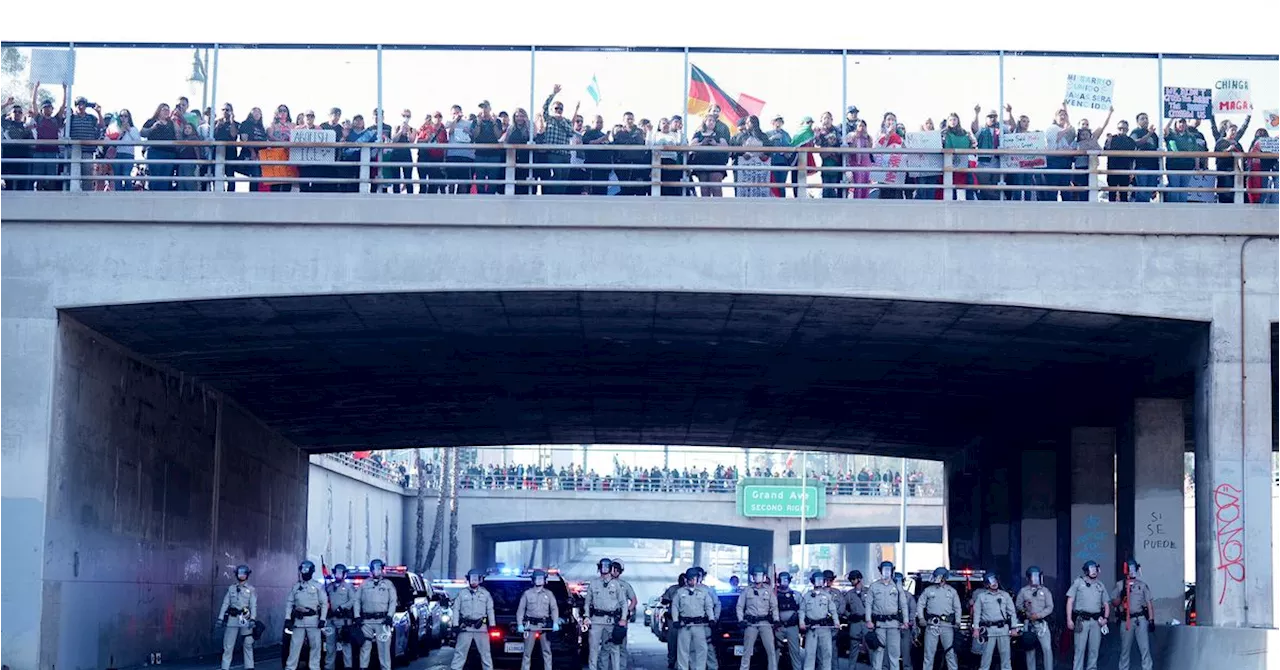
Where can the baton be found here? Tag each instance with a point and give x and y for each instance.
(1128, 614)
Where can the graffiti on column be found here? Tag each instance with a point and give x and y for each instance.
(386, 535)
(1088, 544)
(368, 528)
(1230, 527)
(351, 528)
(1157, 537)
(328, 509)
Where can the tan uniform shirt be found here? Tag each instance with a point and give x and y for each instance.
(993, 608)
(538, 603)
(884, 598)
(307, 595)
(376, 598)
(342, 596)
(938, 600)
(244, 598)
(854, 602)
(693, 603)
(1035, 602)
(605, 600)
(474, 605)
(1089, 595)
(757, 601)
(817, 605)
(1139, 598)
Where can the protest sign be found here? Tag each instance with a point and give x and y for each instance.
(311, 154)
(1022, 141)
(1187, 103)
(889, 163)
(1269, 145)
(1232, 96)
(53, 66)
(929, 139)
(1089, 92)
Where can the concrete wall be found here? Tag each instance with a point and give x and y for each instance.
(158, 487)
(355, 518)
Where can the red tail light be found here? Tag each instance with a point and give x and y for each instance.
(495, 634)
(726, 635)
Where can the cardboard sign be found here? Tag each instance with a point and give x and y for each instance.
(53, 66)
(1089, 92)
(1187, 103)
(311, 154)
(1231, 96)
(890, 164)
(928, 139)
(1269, 145)
(1022, 141)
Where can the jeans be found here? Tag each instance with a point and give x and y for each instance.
(123, 168)
(1178, 180)
(1145, 181)
(463, 169)
(1059, 180)
(187, 170)
(159, 168)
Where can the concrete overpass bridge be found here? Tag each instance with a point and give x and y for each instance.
(170, 361)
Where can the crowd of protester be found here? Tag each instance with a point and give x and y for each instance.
(439, 159)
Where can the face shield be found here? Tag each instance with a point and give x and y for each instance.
(473, 581)
(606, 567)
(1034, 577)
(242, 573)
(1092, 571)
(886, 572)
(539, 579)
(375, 569)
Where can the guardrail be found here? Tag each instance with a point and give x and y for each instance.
(598, 483)
(655, 170)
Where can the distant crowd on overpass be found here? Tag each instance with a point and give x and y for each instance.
(489, 152)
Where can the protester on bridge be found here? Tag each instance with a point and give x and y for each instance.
(251, 130)
(712, 162)
(521, 132)
(377, 602)
(938, 614)
(281, 130)
(890, 136)
(887, 610)
(16, 127)
(1132, 600)
(1146, 138)
(986, 137)
(160, 127)
(1226, 166)
(239, 614)
(605, 602)
(1088, 610)
(343, 606)
(1036, 604)
(693, 610)
(305, 611)
(1263, 171)
(788, 616)
(1060, 136)
(993, 616)
(632, 606)
(474, 608)
(1178, 137)
(432, 131)
(460, 131)
(1120, 141)
(537, 613)
(757, 613)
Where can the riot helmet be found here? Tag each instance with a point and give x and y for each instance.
(474, 575)
(604, 566)
(376, 567)
(939, 575)
(757, 574)
(243, 572)
(306, 569)
(691, 577)
(815, 577)
(886, 569)
(855, 576)
(615, 567)
(828, 577)
(1131, 568)
(1090, 569)
(702, 574)
(339, 572)
(539, 577)
(898, 578)
(991, 580)
(784, 580)
(1035, 576)
(872, 640)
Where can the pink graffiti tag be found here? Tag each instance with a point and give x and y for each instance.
(1226, 503)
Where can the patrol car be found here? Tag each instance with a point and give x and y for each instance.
(966, 582)
(506, 645)
(727, 639)
(418, 624)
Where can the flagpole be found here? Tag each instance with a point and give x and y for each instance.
(844, 90)
(804, 475)
(684, 128)
(533, 56)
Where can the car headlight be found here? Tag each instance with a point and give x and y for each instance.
(444, 618)
(648, 612)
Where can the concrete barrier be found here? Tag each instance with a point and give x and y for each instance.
(1205, 648)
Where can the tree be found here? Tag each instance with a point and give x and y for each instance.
(419, 544)
(454, 471)
(13, 78)
(442, 501)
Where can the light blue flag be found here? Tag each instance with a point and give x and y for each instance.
(593, 89)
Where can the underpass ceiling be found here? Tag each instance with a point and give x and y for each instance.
(341, 372)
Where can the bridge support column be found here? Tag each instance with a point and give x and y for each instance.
(964, 515)
(997, 523)
(1150, 499)
(1093, 527)
(1234, 532)
(1038, 526)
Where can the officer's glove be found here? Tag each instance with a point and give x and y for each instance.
(520, 628)
(1104, 628)
(555, 627)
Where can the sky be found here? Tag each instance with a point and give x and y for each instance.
(651, 85)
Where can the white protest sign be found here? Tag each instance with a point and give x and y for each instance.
(1232, 96)
(889, 163)
(928, 139)
(1269, 145)
(1089, 92)
(1022, 141)
(53, 66)
(311, 154)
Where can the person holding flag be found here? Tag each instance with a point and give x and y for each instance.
(1133, 601)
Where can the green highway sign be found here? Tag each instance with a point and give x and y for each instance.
(779, 498)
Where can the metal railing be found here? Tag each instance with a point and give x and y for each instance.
(654, 170)
(372, 468)
(693, 484)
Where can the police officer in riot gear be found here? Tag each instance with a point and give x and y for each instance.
(853, 608)
(908, 632)
(1036, 604)
(692, 611)
(938, 614)
(758, 611)
(668, 597)
(633, 604)
(376, 603)
(789, 619)
(1133, 604)
(239, 612)
(713, 662)
(606, 606)
(474, 607)
(819, 618)
(887, 616)
(537, 612)
(342, 612)
(1088, 609)
(305, 609)
(993, 614)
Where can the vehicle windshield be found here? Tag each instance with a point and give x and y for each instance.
(506, 594)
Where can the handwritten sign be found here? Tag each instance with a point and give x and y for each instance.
(311, 154)
(890, 163)
(53, 66)
(1187, 103)
(1022, 141)
(923, 140)
(1269, 145)
(1089, 92)
(1232, 95)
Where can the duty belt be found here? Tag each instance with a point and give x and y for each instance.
(989, 623)
(756, 619)
(877, 618)
(857, 618)
(304, 612)
(342, 612)
(1079, 614)
(471, 623)
(788, 606)
(610, 613)
(1139, 614)
(943, 618)
(374, 615)
(695, 620)
(538, 620)
(819, 622)
(236, 611)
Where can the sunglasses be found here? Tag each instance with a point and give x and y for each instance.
(311, 116)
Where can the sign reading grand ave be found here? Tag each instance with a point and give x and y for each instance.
(772, 497)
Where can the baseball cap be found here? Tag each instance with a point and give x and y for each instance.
(992, 112)
(853, 109)
(777, 117)
(484, 103)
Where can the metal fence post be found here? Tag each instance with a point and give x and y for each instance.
(655, 173)
(802, 174)
(219, 168)
(1238, 182)
(1093, 176)
(948, 174)
(75, 167)
(364, 169)
(509, 185)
